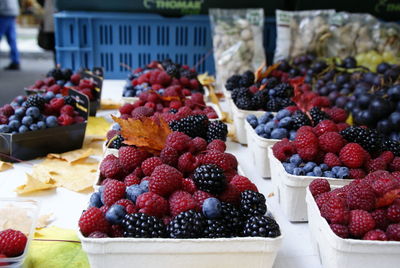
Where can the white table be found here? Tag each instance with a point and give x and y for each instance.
(67, 206)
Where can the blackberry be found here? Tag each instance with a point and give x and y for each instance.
(260, 98)
(285, 102)
(193, 126)
(188, 224)
(56, 73)
(272, 105)
(232, 217)
(247, 79)
(392, 145)
(252, 203)
(67, 73)
(232, 82)
(210, 178)
(217, 130)
(166, 62)
(369, 139)
(271, 83)
(283, 90)
(300, 119)
(35, 101)
(240, 92)
(215, 229)
(187, 73)
(245, 103)
(263, 226)
(117, 142)
(317, 115)
(173, 111)
(173, 70)
(140, 225)
(69, 100)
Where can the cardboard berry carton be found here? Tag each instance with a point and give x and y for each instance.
(31, 144)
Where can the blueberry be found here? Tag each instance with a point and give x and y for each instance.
(324, 167)
(289, 167)
(295, 159)
(292, 135)
(282, 114)
(14, 124)
(34, 112)
(265, 118)
(4, 128)
(298, 171)
(60, 82)
(335, 170)
(51, 121)
(129, 93)
(59, 95)
(144, 185)
(279, 133)
(133, 191)
(20, 112)
(329, 174)
(68, 84)
(20, 99)
(116, 126)
(285, 122)
(33, 127)
(27, 120)
(312, 174)
(251, 117)
(115, 214)
(49, 95)
(13, 117)
(23, 129)
(253, 123)
(211, 208)
(343, 172)
(309, 166)
(270, 126)
(41, 125)
(260, 129)
(317, 171)
(95, 200)
(271, 92)
(265, 135)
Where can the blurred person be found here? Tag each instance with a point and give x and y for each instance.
(9, 10)
(46, 30)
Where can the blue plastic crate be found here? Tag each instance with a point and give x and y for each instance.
(112, 40)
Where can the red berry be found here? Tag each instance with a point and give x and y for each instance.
(305, 129)
(338, 115)
(128, 205)
(200, 196)
(104, 209)
(131, 179)
(113, 191)
(335, 210)
(56, 104)
(319, 186)
(360, 222)
(322, 199)
(223, 160)
(393, 212)
(178, 140)
(142, 111)
(165, 180)
(388, 156)
(217, 145)
(325, 126)
(111, 168)
(384, 185)
(7, 110)
(378, 235)
(380, 218)
(187, 163)
(93, 220)
(150, 164)
(68, 110)
(169, 156)
(181, 201)
(231, 194)
(152, 204)
(331, 142)
(340, 230)
(332, 160)
(189, 186)
(393, 232)
(126, 108)
(283, 150)
(352, 155)
(65, 120)
(131, 157)
(197, 145)
(306, 144)
(395, 165)
(242, 184)
(357, 173)
(361, 196)
(75, 79)
(375, 164)
(12, 242)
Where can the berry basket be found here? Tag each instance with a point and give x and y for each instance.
(291, 189)
(30, 209)
(338, 252)
(258, 147)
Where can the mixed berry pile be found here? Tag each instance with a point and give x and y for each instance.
(58, 81)
(367, 209)
(191, 189)
(37, 112)
(12, 243)
(164, 78)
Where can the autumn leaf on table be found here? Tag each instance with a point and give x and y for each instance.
(145, 132)
(263, 72)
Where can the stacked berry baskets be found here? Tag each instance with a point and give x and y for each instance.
(186, 200)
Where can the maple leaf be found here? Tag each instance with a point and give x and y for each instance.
(145, 132)
(263, 72)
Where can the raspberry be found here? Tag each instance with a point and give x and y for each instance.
(104, 208)
(230, 174)
(223, 160)
(380, 218)
(150, 164)
(169, 156)
(65, 120)
(231, 194)
(361, 196)
(396, 176)
(332, 160)
(231, 161)
(371, 177)
(116, 231)
(178, 140)
(165, 180)
(393, 232)
(126, 108)
(331, 142)
(111, 168)
(197, 145)
(131, 179)
(322, 199)
(360, 222)
(187, 163)
(113, 191)
(319, 186)
(189, 186)
(388, 156)
(357, 173)
(375, 235)
(12, 243)
(138, 172)
(93, 220)
(283, 150)
(242, 184)
(393, 212)
(181, 201)
(324, 127)
(128, 204)
(200, 196)
(131, 157)
(395, 165)
(305, 129)
(352, 155)
(152, 204)
(340, 230)
(320, 101)
(217, 145)
(383, 185)
(142, 111)
(335, 210)
(306, 144)
(56, 104)
(338, 115)
(375, 164)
